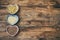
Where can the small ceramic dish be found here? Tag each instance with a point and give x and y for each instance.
(12, 19)
(12, 9)
(12, 30)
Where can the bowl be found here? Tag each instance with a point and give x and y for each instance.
(12, 19)
(12, 9)
(12, 30)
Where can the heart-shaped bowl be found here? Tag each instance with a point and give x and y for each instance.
(12, 9)
(12, 19)
(12, 30)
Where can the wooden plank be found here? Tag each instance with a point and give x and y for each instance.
(38, 16)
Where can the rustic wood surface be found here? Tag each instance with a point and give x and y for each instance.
(39, 20)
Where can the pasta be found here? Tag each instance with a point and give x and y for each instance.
(12, 9)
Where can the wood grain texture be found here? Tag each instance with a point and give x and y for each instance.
(38, 20)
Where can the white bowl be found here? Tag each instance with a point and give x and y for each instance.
(14, 33)
(11, 11)
(12, 19)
